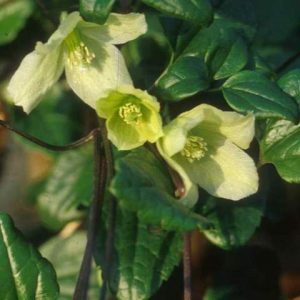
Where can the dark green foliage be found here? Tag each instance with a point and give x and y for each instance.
(24, 273)
(96, 10)
(142, 185)
(234, 222)
(143, 256)
(251, 91)
(69, 186)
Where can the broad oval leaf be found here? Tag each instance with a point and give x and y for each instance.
(67, 263)
(215, 52)
(186, 77)
(281, 147)
(231, 60)
(234, 222)
(143, 256)
(198, 12)
(143, 185)
(70, 185)
(222, 48)
(250, 91)
(24, 273)
(290, 83)
(96, 10)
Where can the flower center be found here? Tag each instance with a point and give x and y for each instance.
(194, 149)
(78, 52)
(130, 113)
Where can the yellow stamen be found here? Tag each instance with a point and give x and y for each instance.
(78, 53)
(130, 113)
(194, 149)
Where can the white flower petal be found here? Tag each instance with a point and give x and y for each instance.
(118, 29)
(36, 74)
(175, 166)
(236, 127)
(106, 71)
(63, 30)
(228, 172)
(176, 132)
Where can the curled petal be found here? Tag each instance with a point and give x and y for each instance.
(188, 185)
(36, 74)
(64, 29)
(118, 29)
(176, 132)
(234, 126)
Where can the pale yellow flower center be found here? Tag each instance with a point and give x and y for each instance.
(194, 149)
(78, 53)
(130, 113)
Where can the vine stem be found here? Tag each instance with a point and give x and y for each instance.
(82, 285)
(111, 209)
(187, 273)
(43, 144)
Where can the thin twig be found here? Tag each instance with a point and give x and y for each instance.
(187, 273)
(111, 210)
(43, 144)
(288, 62)
(82, 285)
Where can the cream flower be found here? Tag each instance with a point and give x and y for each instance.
(132, 117)
(87, 53)
(204, 146)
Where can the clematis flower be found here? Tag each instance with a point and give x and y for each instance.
(132, 117)
(204, 145)
(87, 53)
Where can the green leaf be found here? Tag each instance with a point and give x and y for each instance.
(223, 47)
(96, 10)
(234, 222)
(198, 12)
(186, 77)
(216, 43)
(290, 84)
(24, 273)
(143, 185)
(13, 15)
(215, 52)
(53, 116)
(250, 91)
(281, 147)
(229, 61)
(143, 256)
(69, 186)
(67, 263)
(139, 57)
(239, 15)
